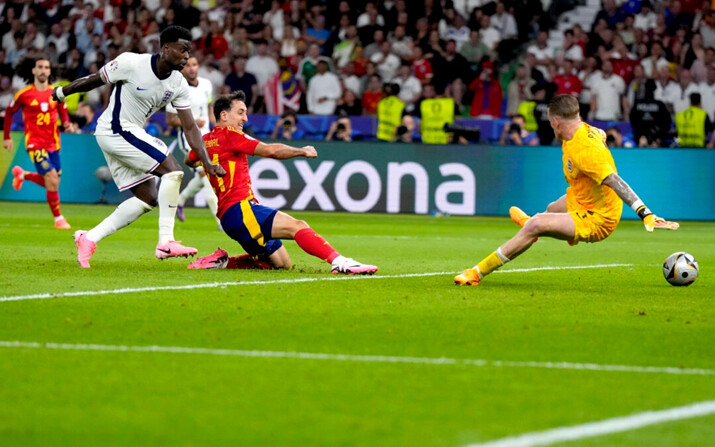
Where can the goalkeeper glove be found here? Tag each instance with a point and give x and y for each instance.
(648, 217)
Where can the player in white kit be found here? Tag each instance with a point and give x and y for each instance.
(143, 84)
(201, 92)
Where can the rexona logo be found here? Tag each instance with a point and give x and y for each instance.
(451, 187)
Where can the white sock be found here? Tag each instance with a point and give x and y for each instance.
(211, 199)
(192, 188)
(168, 199)
(126, 213)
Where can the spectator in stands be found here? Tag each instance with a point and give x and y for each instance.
(571, 49)
(667, 90)
(518, 90)
(434, 48)
(474, 50)
(693, 124)
(317, 32)
(650, 119)
(626, 30)
(59, 38)
(708, 92)
(6, 93)
(214, 42)
(341, 129)
(349, 104)
(615, 138)
(261, 65)
(274, 18)
(33, 37)
(368, 22)
(489, 34)
(309, 65)
(421, 67)
(186, 14)
(656, 61)
(607, 94)
(324, 91)
(410, 86)
(542, 50)
(5, 68)
(487, 94)
(567, 81)
(372, 95)
(8, 39)
(454, 65)
(707, 31)
(693, 51)
(611, 13)
(16, 54)
(343, 51)
(401, 43)
(503, 21)
(646, 18)
(457, 30)
(687, 87)
(457, 90)
(350, 80)
(635, 90)
(378, 37)
(386, 62)
(240, 79)
(676, 18)
(515, 133)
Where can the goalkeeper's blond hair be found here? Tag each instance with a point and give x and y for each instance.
(564, 106)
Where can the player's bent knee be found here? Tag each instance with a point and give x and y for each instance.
(536, 225)
(301, 225)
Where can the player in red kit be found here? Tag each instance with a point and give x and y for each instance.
(42, 136)
(257, 228)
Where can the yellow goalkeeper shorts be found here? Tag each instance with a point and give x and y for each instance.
(592, 226)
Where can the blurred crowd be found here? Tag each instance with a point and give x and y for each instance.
(495, 59)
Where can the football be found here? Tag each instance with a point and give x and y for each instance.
(680, 269)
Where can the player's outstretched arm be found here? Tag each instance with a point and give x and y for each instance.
(193, 136)
(80, 85)
(281, 151)
(616, 183)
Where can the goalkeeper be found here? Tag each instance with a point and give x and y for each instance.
(590, 210)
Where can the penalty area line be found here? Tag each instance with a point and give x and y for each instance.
(213, 285)
(294, 355)
(605, 427)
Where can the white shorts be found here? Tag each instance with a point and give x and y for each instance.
(132, 156)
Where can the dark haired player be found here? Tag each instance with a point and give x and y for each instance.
(42, 135)
(143, 84)
(256, 227)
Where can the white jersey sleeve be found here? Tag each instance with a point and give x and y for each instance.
(118, 69)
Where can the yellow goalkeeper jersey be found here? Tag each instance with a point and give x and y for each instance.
(587, 162)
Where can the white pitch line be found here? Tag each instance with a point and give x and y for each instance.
(606, 427)
(360, 358)
(211, 285)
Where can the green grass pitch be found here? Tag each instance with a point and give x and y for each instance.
(619, 315)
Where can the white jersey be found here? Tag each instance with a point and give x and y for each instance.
(138, 92)
(200, 98)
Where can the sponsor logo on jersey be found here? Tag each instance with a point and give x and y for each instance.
(568, 165)
(34, 102)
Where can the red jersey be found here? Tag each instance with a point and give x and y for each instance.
(39, 115)
(229, 148)
(423, 70)
(370, 100)
(568, 84)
